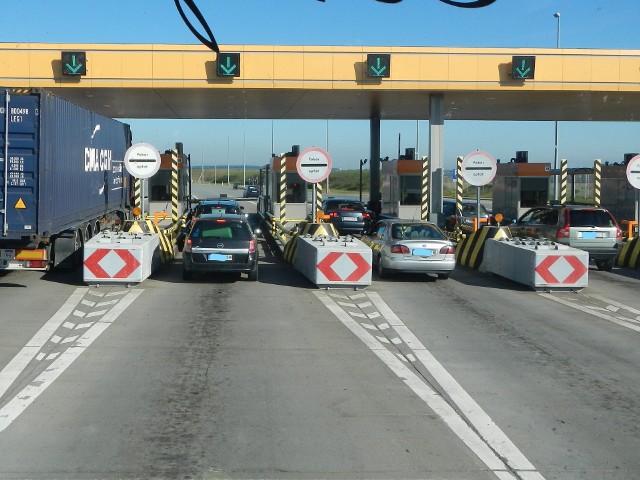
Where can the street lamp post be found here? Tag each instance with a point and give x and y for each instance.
(362, 162)
(555, 156)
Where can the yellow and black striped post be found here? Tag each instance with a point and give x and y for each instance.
(459, 185)
(174, 186)
(283, 189)
(137, 194)
(318, 192)
(424, 202)
(597, 182)
(563, 181)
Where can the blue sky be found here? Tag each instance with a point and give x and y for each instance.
(608, 24)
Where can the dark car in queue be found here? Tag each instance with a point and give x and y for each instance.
(347, 215)
(409, 246)
(587, 228)
(465, 217)
(222, 244)
(251, 191)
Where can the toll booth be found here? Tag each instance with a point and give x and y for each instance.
(160, 184)
(618, 195)
(295, 188)
(518, 187)
(401, 184)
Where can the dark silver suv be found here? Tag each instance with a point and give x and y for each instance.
(591, 229)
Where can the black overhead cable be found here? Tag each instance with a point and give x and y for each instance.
(213, 45)
(211, 41)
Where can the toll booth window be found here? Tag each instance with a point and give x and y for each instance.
(410, 188)
(159, 186)
(534, 192)
(296, 192)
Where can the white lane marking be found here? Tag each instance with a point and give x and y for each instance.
(485, 426)
(15, 367)
(10, 411)
(433, 400)
(590, 311)
(614, 303)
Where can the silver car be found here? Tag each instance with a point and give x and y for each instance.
(591, 229)
(410, 246)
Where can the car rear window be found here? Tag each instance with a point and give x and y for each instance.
(335, 206)
(207, 209)
(222, 230)
(590, 218)
(417, 231)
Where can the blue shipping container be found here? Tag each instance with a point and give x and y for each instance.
(60, 164)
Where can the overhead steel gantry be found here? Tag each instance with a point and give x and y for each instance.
(319, 82)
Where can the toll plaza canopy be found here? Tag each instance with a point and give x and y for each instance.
(337, 82)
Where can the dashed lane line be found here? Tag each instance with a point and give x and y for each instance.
(61, 360)
(476, 429)
(629, 323)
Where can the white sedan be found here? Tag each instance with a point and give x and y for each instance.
(410, 246)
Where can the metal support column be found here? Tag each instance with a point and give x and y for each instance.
(374, 165)
(436, 154)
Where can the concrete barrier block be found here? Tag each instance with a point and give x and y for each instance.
(334, 261)
(540, 264)
(120, 257)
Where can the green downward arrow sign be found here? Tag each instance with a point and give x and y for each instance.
(228, 64)
(379, 69)
(228, 68)
(75, 66)
(522, 71)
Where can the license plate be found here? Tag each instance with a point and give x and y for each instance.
(592, 235)
(218, 257)
(349, 219)
(422, 252)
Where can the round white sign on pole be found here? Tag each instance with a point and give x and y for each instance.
(313, 165)
(142, 160)
(633, 171)
(479, 168)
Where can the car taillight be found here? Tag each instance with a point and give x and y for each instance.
(252, 246)
(365, 215)
(333, 214)
(447, 250)
(565, 231)
(618, 231)
(399, 249)
(187, 245)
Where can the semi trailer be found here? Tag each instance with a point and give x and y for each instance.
(62, 178)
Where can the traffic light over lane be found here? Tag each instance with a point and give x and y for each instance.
(378, 65)
(228, 64)
(523, 67)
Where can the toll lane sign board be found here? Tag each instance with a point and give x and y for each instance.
(379, 65)
(142, 160)
(479, 168)
(633, 171)
(74, 64)
(313, 165)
